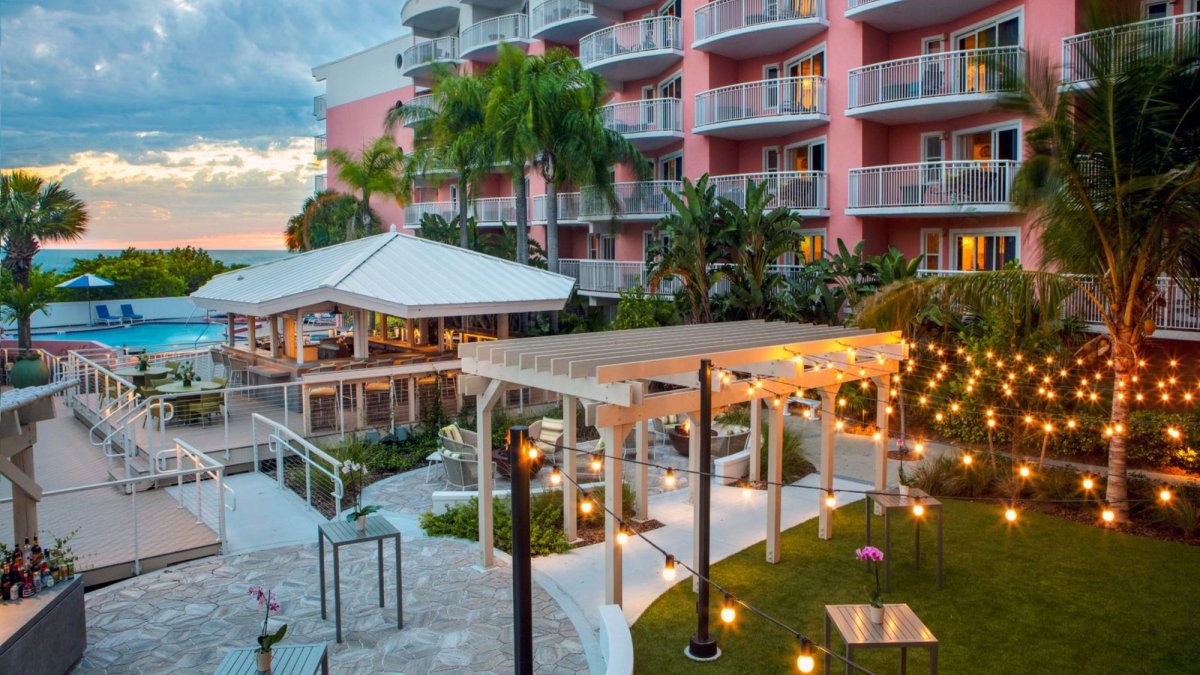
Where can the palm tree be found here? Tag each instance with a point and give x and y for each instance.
(753, 238)
(450, 134)
(1113, 176)
(693, 233)
(379, 169)
(322, 221)
(516, 105)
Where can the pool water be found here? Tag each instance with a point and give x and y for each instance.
(151, 336)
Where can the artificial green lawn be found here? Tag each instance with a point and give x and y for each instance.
(1042, 596)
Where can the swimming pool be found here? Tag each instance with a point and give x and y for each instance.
(151, 336)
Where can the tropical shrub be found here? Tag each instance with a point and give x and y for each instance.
(545, 523)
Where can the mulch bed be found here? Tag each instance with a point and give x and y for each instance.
(1090, 517)
(595, 535)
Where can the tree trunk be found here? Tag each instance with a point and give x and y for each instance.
(552, 225)
(1117, 492)
(463, 231)
(521, 198)
(25, 334)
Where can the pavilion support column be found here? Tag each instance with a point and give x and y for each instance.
(755, 439)
(825, 464)
(642, 471)
(252, 332)
(502, 326)
(570, 460)
(273, 328)
(774, 478)
(361, 334)
(614, 439)
(299, 337)
(882, 387)
(441, 336)
(231, 324)
(483, 451)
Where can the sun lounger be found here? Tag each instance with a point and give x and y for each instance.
(103, 315)
(128, 313)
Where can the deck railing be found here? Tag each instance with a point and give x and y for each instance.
(969, 71)
(645, 35)
(640, 198)
(797, 190)
(650, 115)
(298, 465)
(957, 183)
(494, 31)
(319, 107)
(613, 276)
(1113, 48)
(768, 98)
(568, 207)
(558, 10)
(729, 15)
(1179, 309)
(437, 50)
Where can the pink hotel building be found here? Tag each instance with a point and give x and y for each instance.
(872, 119)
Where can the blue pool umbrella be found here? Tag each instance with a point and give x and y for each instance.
(87, 282)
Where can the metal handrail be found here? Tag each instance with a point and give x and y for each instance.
(493, 31)
(553, 11)
(282, 437)
(637, 198)
(766, 98)
(989, 70)
(645, 116)
(950, 183)
(568, 207)
(729, 15)
(798, 190)
(656, 33)
(319, 107)
(437, 50)
(1123, 43)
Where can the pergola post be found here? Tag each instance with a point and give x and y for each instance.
(642, 484)
(300, 337)
(614, 439)
(361, 334)
(502, 326)
(441, 334)
(693, 454)
(825, 467)
(882, 387)
(231, 323)
(273, 327)
(252, 332)
(755, 439)
(570, 493)
(774, 478)
(483, 452)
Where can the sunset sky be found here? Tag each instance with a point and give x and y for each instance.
(179, 122)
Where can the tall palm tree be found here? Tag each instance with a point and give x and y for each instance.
(693, 233)
(516, 105)
(322, 221)
(752, 240)
(450, 134)
(1113, 175)
(378, 170)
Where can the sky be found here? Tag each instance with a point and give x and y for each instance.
(177, 121)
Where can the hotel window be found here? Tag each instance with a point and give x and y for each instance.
(803, 95)
(809, 157)
(977, 73)
(989, 144)
(671, 8)
(671, 167)
(931, 248)
(807, 247)
(671, 88)
(1156, 10)
(770, 160)
(651, 240)
(602, 247)
(979, 252)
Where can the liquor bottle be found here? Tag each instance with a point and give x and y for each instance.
(27, 552)
(47, 578)
(17, 554)
(35, 575)
(36, 552)
(27, 584)
(5, 582)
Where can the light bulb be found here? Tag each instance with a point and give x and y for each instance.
(967, 459)
(991, 424)
(622, 537)
(1165, 495)
(1088, 483)
(830, 500)
(596, 463)
(805, 663)
(555, 476)
(1173, 432)
(840, 425)
(747, 492)
(1108, 515)
(876, 435)
(1011, 515)
(806, 413)
(1024, 472)
(919, 448)
(668, 570)
(532, 452)
(585, 506)
(728, 613)
(777, 401)
(918, 509)
(669, 478)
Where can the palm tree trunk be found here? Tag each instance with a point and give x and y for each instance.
(552, 225)
(25, 334)
(463, 234)
(521, 199)
(1117, 492)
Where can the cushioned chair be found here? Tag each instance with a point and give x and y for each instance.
(462, 470)
(103, 315)
(206, 406)
(220, 380)
(128, 313)
(546, 434)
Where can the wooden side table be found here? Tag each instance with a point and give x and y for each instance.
(891, 500)
(900, 629)
(340, 533)
(285, 660)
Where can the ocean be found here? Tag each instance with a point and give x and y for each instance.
(61, 259)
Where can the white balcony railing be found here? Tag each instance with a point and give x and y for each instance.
(1119, 45)
(438, 50)
(724, 16)
(662, 115)
(926, 184)
(496, 210)
(797, 190)
(318, 144)
(568, 207)
(641, 198)
(319, 183)
(646, 35)
(498, 29)
(613, 276)
(1179, 309)
(855, 4)
(970, 71)
(413, 213)
(768, 98)
(319, 107)
(558, 10)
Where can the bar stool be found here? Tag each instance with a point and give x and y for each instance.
(377, 396)
(322, 408)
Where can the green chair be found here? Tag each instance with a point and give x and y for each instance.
(220, 380)
(172, 366)
(156, 382)
(206, 406)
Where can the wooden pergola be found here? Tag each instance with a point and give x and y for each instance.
(611, 374)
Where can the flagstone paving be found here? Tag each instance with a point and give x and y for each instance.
(457, 617)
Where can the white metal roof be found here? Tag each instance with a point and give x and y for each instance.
(394, 273)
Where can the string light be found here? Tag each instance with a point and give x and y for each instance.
(1010, 515)
(1174, 433)
(555, 476)
(967, 459)
(805, 663)
(840, 425)
(596, 463)
(1164, 495)
(586, 505)
(622, 536)
(918, 508)
(1088, 483)
(830, 499)
(532, 452)
(1024, 471)
(669, 478)
(728, 613)
(1108, 515)
(668, 570)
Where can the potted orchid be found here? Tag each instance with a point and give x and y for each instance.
(143, 363)
(873, 557)
(355, 473)
(266, 640)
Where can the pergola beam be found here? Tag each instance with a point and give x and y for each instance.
(616, 393)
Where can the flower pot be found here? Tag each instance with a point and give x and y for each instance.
(362, 523)
(876, 614)
(29, 372)
(903, 490)
(263, 661)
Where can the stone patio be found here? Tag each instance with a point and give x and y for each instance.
(457, 617)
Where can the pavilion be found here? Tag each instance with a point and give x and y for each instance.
(612, 374)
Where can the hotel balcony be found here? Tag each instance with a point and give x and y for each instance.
(489, 212)
(319, 107)
(934, 86)
(430, 17)
(413, 213)
(319, 183)
(635, 201)
(649, 124)
(607, 278)
(900, 15)
(804, 193)
(761, 109)
(1083, 53)
(481, 41)
(959, 188)
(417, 108)
(742, 29)
(566, 21)
(421, 60)
(318, 144)
(634, 50)
(568, 209)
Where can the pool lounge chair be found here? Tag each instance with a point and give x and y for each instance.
(103, 315)
(128, 313)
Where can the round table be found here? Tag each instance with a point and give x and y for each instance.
(196, 387)
(139, 377)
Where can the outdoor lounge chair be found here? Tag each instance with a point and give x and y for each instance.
(462, 471)
(128, 313)
(103, 315)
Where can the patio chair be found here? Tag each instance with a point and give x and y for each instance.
(220, 380)
(206, 406)
(322, 406)
(103, 315)
(462, 470)
(377, 396)
(546, 434)
(128, 313)
(172, 366)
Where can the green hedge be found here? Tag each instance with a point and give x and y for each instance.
(545, 523)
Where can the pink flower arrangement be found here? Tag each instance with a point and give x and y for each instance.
(869, 553)
(266, 600)
(872, 556)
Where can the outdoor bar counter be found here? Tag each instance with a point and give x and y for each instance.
(45, 634)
